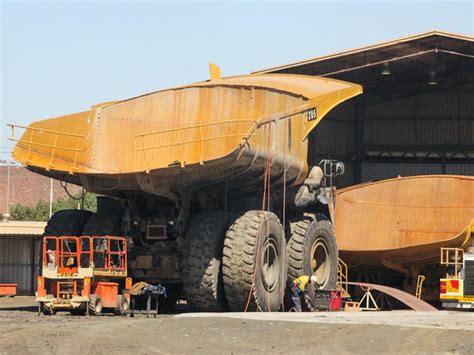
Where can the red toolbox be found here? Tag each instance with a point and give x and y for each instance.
(8, 289)
(328, 300)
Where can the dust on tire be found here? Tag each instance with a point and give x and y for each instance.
(241, 245)
(202, 262)
(305, 231)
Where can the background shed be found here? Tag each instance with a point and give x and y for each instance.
(20, 250)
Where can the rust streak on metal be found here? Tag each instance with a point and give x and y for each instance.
(209, 125)
(404, 221)
(409, 300)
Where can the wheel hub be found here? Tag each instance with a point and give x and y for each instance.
(270, 266)
(320, 264)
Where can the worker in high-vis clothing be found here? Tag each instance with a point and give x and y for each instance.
(298, 287)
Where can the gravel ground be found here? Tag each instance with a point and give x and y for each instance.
(22, 331)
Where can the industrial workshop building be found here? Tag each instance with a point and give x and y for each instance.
(415, 117)
(20, 250)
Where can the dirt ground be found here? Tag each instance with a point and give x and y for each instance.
(22, 331)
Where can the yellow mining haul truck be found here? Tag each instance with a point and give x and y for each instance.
(185, 173)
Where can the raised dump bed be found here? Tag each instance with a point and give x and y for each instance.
(219, 130)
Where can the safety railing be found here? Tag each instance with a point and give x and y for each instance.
(30, 142)
(179, 142)
(66, 289)
(109, 253)
(343, 276)
(105, 254)
(62, 252)
(452, 257)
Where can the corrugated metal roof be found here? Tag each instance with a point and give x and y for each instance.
(379, 46)
(21, 228)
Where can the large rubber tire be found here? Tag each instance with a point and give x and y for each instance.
(201, 263)
(95, 305)
(67, 223)
(122, 305)
(80, 311)
(312, 238)
(104, 223)
(255, 238)
(47, 311)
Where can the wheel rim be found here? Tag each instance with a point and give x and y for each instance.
(98, 306)
(48, 309)
(270, 265)
(320, 262)
(125, 305)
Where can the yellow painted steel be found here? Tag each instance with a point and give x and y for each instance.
(452, 257)
(402, 223)
(179, 142)
(34, 142)
(455, 290)
(454, 282)
(343, 278)
(419, 286)
(215, 72)
(187, 125)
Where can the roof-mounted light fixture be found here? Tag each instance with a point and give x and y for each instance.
(386, 70)
(433, 80)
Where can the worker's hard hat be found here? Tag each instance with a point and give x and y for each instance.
(313, 279)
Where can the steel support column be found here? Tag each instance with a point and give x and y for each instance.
(359, 138)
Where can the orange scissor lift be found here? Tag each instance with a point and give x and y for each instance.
(84, 275)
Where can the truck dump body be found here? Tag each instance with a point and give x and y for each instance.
(216, 130)
(403, 222)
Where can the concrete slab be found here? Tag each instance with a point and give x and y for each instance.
(437, 320)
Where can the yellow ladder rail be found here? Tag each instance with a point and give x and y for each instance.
(419, 286)
(452, 257)
(343, 277)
